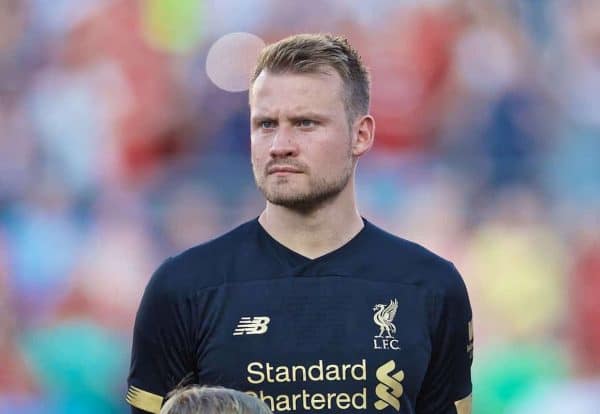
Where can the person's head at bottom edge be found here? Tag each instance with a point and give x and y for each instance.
(196, 399)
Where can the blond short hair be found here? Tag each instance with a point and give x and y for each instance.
(315, 53)
(196, 399)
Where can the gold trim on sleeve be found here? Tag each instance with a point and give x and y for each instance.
(464, 406)
(144, 400)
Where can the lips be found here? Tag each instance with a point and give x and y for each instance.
(282, 169)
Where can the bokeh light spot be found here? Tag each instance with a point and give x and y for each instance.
(231, 59)
(172, 25)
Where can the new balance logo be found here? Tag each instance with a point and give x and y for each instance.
(252, 326)
(390, 389)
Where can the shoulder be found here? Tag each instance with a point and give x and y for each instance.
(202, 266)
(416, 263)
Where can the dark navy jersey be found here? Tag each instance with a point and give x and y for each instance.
(379, 325)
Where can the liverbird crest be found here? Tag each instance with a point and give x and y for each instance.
(384, 318)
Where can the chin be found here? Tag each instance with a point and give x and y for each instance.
(285, 198)
(298, 201)
(301, 196)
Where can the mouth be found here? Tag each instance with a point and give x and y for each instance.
(283, 169)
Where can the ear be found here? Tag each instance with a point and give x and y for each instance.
(364, 135)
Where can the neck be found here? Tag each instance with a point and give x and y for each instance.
(316, 232)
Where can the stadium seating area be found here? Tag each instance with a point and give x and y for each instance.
(117, 151)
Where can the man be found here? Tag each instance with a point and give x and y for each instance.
(309, 307)
(212, 400)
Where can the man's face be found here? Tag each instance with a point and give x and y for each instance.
(300, 139)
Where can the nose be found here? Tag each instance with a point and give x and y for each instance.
(283, 144)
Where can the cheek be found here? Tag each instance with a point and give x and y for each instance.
(259, 141)
(255, 160)
(259, 163)
(255, 151)
(334, 153)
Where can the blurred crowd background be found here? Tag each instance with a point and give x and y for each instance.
(117, 150)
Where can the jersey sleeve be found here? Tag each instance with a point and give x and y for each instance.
(161, 352)
(447, 385)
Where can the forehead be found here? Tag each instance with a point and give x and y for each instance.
(288, 91)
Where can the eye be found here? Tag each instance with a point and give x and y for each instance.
(267, 124)
(306, 123)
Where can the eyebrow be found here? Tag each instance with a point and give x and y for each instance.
(309, 115)
(296, 117)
